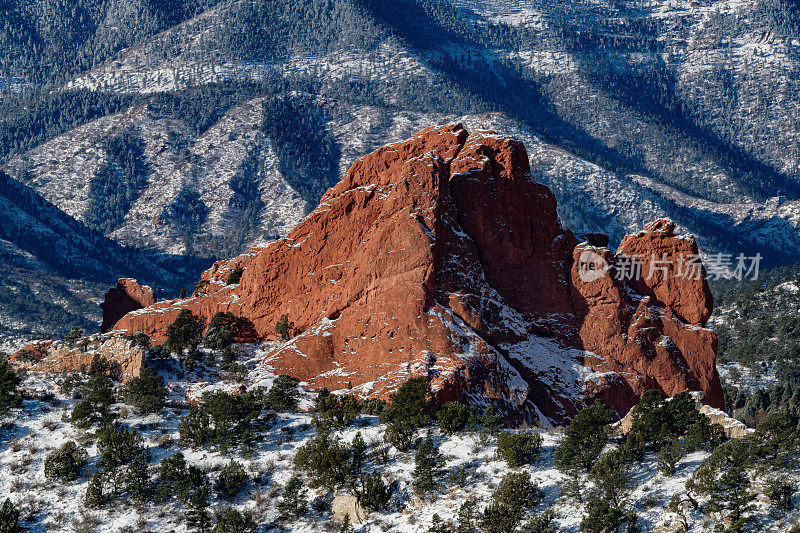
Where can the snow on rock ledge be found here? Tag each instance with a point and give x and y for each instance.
(440, 256)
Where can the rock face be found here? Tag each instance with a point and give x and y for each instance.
(127, 296)
(440, 256)
(126, 358)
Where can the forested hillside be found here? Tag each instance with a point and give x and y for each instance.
(198, 128)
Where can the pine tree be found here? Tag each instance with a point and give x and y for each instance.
(197, 515)
(95, 493)
(9, 518)
(146, 392)
(138, 485)
(428, 468)
(9, 381)
(294, 502)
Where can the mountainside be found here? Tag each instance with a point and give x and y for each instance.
(201, 128)
(440, 256)
(55, 269)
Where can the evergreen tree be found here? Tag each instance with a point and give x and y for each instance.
(74, 335)
(146, 392)
(9, 381)
(284, 328)
(584, 439)
(467, 518)
(375, 495)
(519, 449)
(95, 491)
(232, 478)
(492, 420)
(517, 493)
(232, 521)
(325, 459)
(198, 517)
(184, 332)
(65, 463)
(98, 396)
(428, 468)
(119, 446)
(138, 485)
(283, 395)
(453, 417)
(294, 502)
(9, 518)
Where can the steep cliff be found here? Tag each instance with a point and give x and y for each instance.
(440, 256)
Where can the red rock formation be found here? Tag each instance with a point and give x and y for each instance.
(127, 296)
(125, 357)
(440, 256)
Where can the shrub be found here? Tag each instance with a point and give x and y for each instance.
(669, 455)
(222, 419)
(232, 521)
(146, 392)
(780, 491)
(221, 331)
(375, 495)
(428, 468)
(65, 463)
(284, 328)
(603, 516)
(453, 417)
(184, 332)
(9, 518)
(336, 410)
(325, 459)
(294, 502)
(584, 439)
(176, 479)
(283, 395)
(232, 479)
(98, 396)
(519, 449)
(235, 276)
(9, 381)
(517, 493)
(492, 420)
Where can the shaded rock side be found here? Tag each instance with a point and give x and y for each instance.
(127, 296)
(440, 256)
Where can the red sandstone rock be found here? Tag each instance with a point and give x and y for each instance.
(126, 297)
(126, 360)
(440, 256)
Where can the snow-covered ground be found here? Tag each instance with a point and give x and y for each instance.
(29, 434)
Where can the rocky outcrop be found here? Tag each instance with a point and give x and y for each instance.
(127, 296)
(126, 358)
(734, 429)
(440, 256)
